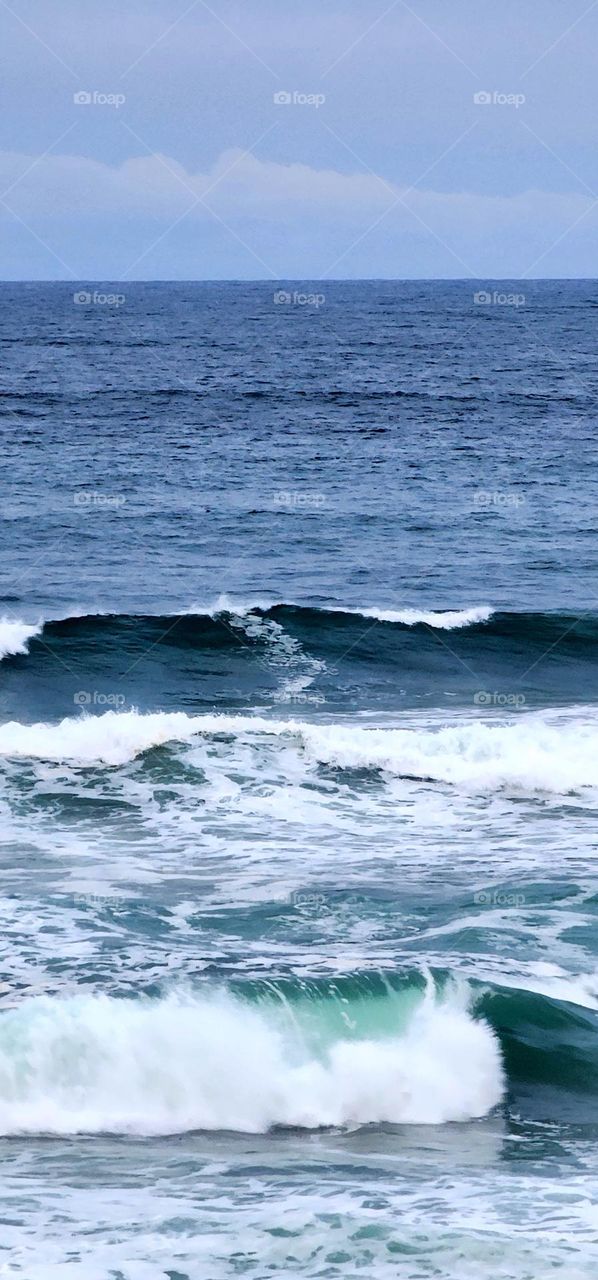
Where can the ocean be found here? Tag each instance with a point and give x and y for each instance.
(298, 781)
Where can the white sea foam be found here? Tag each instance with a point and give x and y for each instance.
(531, 754)
(543, 978)
(15, 635)
(279, 651)
(215, 1062)
(225, 604)
(444, 621)
(107, 739)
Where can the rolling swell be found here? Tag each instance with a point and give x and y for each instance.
(326, 627)
(222, 626)
(259, 655)
(550, 1052)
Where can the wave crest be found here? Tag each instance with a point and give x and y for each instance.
(219, 1062)
(533, 753)
(15, 636)
(449, 620)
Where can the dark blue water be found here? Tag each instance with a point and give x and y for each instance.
(397, 445)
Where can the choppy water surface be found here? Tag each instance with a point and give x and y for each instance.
(298, 785)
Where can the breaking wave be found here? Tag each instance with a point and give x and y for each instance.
(530, 753)
(260, 619)
(15, 636)
(450, 620)
(222, 1061)
(258, 653)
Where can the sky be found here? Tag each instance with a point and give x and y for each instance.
(216, 139)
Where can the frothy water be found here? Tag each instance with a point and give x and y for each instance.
(449, 620)
(15, 635)
(217, 1062)
(529, 754)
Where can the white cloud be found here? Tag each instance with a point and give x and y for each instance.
(239, 186)
(293, 219)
